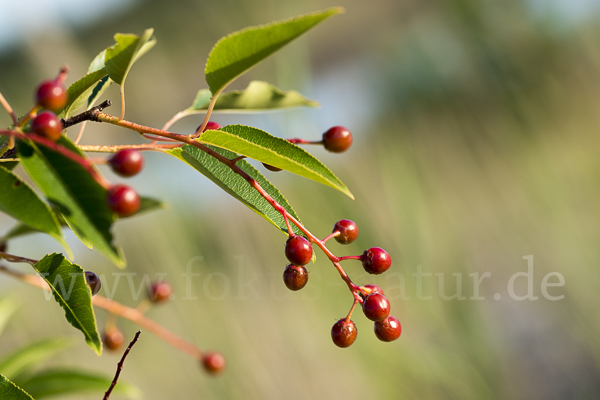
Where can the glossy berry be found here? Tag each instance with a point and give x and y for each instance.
(376, 260)
(343, 334)
(51, 95)
(113, 338)
(214, 362)
(93, 282)
(298, 250)
(160, 291)
(388, 329)
(271, 168)
(295, 277)
(127, 162)
(373, 288)
(347, 229)
(123, 200)
(376, 307)
(48, 125)
(210, 126)
(337, 139)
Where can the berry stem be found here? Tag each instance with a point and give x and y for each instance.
(349, 258)
(334, 234)
(116, 148)
(112, 307)
(120, 365)
(351, 311)
(9, 109)
(304, 141)
(80, 133)
(213, 101)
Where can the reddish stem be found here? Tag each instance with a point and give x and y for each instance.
(120, 365)
(349, 258)
(304, 141)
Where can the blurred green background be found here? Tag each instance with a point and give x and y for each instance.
(477, 133)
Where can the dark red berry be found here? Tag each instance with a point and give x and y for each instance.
(376, 260)
(93, 282)
(127, 162)
(298, 250)
(347, 229)
(376, 307)
(271, 168)
(295, 277)
(214, 362)
(3, 247)
(123, 200)
(373, 288)
(343, 334)
(388, 329)
(337, 139)
(210, 126)
(48, 125)
(160, 291)
(51, 95)
(113, 338)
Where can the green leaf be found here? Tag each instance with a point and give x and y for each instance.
(238, 52)
(69, 186)
(120, 57)
(32, 355)
(18, 200)
(80, 91)
(68, 285)
(147, 204)
(235, 185)
(258, 96)
(7, 309)
(10, 391)
(266, 148)
(67, 382)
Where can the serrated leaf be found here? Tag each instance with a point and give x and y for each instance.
(258, 96)
(10, 391)
(264, 147)
(129, 47)
(32, 355)
(235, 185)
(68, 285)
(147, 204)
(79, 198)
(238, 52)
(18, 200)
(80, 91)
(67, 382)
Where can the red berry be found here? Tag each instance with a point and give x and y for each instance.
(214, 362)
(159, 292)
(271, 168)
(376, 260)
(127, 162)
(373, 288)
(48, 125)
(343, 334)
(298, 250)
(295, 277)
(388, 329)
(347, 229)
(376, 307)
(93, 282)
(337, 139)
(210, 126)
(113, 338)
(123, 200)
(51, 95)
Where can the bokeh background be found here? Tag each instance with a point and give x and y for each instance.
(477, 134)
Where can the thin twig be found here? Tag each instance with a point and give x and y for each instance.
(9, 109)
(120, 365)
(89, 115)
